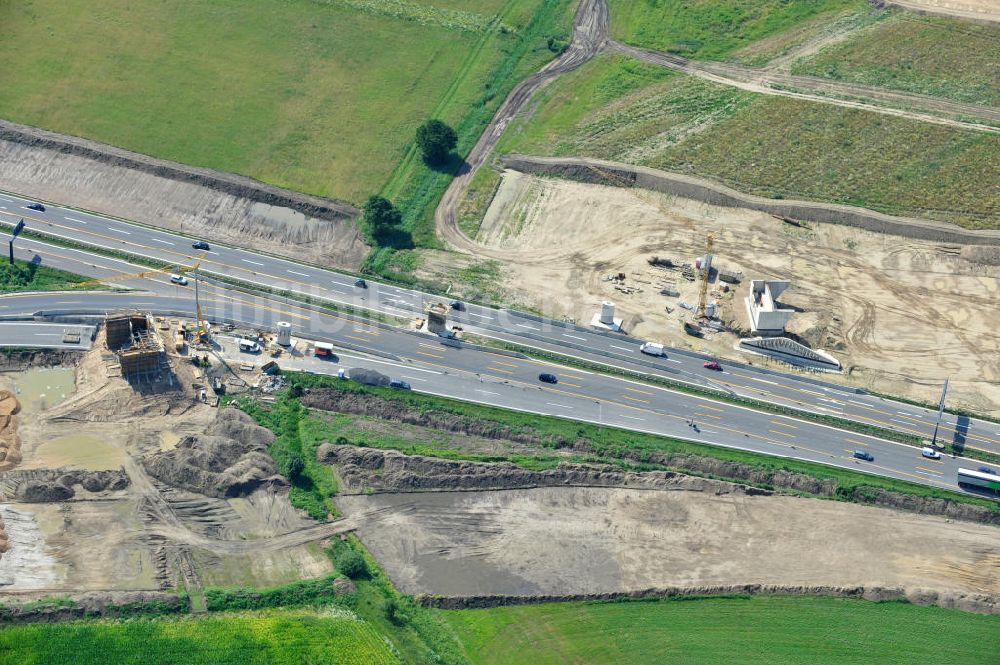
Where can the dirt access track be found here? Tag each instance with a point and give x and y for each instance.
(597, 540)
(215, 206)
(900, 314)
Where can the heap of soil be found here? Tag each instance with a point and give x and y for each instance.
(93, 604)
(365, 470)
(10, 442)
(229, 460)
(51, 485)
(4, 543)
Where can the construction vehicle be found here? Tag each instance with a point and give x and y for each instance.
(180, 343)
(323, 350)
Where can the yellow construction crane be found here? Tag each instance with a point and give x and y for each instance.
(200, 330)
(706, 268)
(142, 275)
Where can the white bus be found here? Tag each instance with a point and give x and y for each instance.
(979, 479)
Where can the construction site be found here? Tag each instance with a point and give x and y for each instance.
(846, 299)
(122, 474)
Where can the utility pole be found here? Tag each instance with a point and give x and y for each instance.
(937, 423)
(13, 237)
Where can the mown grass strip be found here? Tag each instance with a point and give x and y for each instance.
(28, 276)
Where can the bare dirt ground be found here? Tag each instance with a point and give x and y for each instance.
(186, 206)
(900, 314)
(982, 10)
(588, 540)
(142, 534)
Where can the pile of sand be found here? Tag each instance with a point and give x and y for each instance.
(10, 442)
(229, 460)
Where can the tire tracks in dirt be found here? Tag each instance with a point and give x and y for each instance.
(824, 91)
(590, 34)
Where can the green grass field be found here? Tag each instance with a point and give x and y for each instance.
(928, 55)
(322, 97)
(23, 276)
(772, 146)
(761, 630)
(272, 637)
(710, 29)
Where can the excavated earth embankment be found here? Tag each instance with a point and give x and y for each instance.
(214, 205)
(366, 470)
(699, 189)
(968, 602)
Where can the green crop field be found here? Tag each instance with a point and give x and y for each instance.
(928, 55)
(319, 96)
(772, 146)
(301, 636)
(712, 28)
(760, 629)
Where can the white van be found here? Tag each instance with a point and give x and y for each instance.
(653, 349)
(929, 452)
(179, 279)
(249, 346)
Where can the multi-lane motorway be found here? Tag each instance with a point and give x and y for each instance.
(493, 378)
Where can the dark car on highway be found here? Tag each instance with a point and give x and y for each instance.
(201, 244)
(360, 283)
(712, 364)
(399, 385)
(548, 378)
(986, 469)
(457, 305)
(865, 455)
(36, 206)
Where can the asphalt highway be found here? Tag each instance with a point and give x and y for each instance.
(437, 367)
(798, 391)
